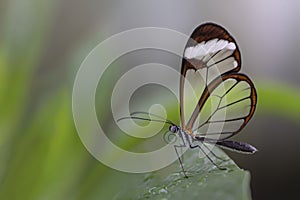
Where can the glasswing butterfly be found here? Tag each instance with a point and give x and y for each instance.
(227, 98)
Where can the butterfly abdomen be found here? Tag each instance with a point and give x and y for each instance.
(237, 146)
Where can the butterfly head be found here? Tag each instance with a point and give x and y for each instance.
(174, 128)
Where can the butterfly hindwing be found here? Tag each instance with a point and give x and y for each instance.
(228, 105)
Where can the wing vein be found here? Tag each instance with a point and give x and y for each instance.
(234, 102)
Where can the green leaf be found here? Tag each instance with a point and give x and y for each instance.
(205, 181)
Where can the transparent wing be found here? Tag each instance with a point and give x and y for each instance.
(228, 105)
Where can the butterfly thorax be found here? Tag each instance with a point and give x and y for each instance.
(190, 132)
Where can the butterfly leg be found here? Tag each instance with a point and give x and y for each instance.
(179, 158)
(181, 145)
(215, 155)
(209, 158)
(181, 153)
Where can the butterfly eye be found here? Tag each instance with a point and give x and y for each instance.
(173, 128)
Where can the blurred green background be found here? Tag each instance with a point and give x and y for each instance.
(42, 44)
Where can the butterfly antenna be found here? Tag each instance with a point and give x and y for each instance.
(150, 114)
(160, 119)
(146, 119)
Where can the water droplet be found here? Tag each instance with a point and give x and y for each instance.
(162, 191)
(151, 190)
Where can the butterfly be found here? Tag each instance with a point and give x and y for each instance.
(227, 98)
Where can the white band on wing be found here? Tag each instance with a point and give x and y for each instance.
(207, 48)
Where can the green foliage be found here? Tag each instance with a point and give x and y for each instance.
(280, 99)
